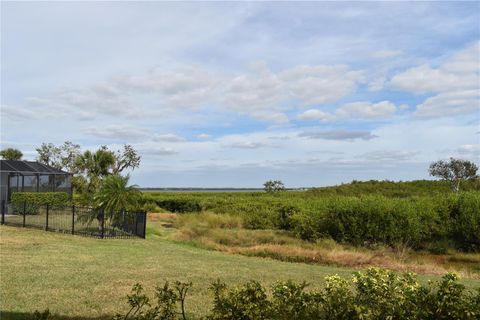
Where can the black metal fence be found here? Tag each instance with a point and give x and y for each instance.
(77, 220)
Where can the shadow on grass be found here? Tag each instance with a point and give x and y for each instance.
(8, 315)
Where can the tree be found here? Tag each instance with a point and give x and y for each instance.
(92, 167)
(115, 195)
(98, 163)
(60, 157)
(11, 154)
(126, 159)
(272, 186)
(454, 170)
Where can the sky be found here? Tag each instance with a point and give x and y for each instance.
(231, 94)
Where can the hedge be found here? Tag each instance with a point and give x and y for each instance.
(34, 200)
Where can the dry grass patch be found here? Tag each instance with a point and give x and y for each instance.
(225, 233)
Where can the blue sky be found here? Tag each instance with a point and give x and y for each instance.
(221, 94)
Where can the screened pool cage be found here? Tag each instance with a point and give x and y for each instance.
(31, 176)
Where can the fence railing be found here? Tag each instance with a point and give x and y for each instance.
(76, 220)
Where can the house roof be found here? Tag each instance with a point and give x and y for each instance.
(28, 167)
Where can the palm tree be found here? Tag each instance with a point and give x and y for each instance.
(11, 154)
(95, 166)
(115, 195)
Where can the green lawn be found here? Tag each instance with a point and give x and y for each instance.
(79, 277)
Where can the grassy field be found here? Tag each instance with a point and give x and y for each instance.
(83, 278)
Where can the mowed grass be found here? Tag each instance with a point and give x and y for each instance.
(78, 277)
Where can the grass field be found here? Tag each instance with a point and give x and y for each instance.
(83, 278)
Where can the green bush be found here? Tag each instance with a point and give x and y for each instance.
(165, 307)
(150, 207)
(285, 214)
(465, 220)
(373, 294)
(179, 205)
(33, 200)
(374, 219)
(249, 301)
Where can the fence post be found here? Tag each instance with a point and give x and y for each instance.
(73, 219)
(103, 224)
(46, 219)
(3, 211)
(24, 210)
(144, 224)
(135, 223)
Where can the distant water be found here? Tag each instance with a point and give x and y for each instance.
(209, 189)
(199, 190)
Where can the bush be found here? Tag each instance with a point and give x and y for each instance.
(373, 219)
(179, 205)
(150, 207)
(465, 220)
(373, 294)
(285, 215)
(165, 308)
(244, 302)
(33, 200)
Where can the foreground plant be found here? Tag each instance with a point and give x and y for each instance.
(369, 295)
(164, 306)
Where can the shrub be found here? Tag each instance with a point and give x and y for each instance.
(244, 302)
(371, 220)
(180, 205)
(166, 300)
(285, 214)
(372, 294)
(150, 207)
(305, 227)
(465, 220)
(33, 200)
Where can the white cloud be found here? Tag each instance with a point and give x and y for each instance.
(389, 155)
(168, 137)
(203, 136)
(277, 118)
(16, 112)
(377, 84)
(450, 104)
(186, 86)
(118, 132)
(246, 93)
(314, 114)
(465, 61)
(425, 79)
(366, 110)
(472, 150)
(248, 145)
(159, 151)
(383, 54)
(361, 110)
(321, 84)
(260, 94)
(455, 84)
(338, 135)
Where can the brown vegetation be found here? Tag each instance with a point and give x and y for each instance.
(225, 233)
